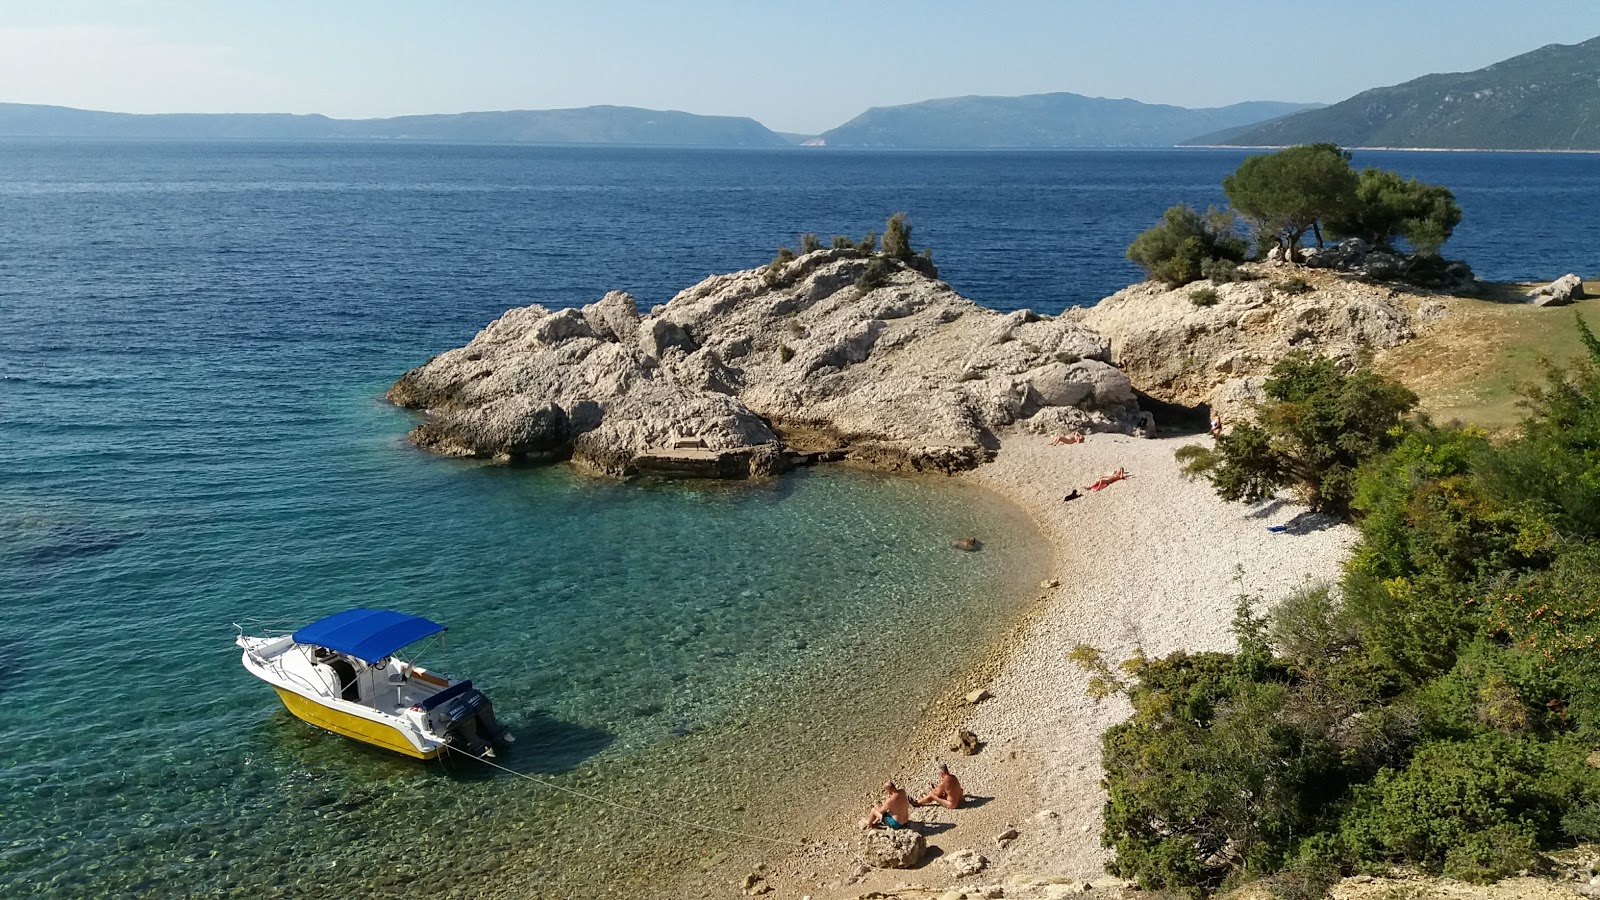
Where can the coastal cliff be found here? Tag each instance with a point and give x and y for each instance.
(745, 373)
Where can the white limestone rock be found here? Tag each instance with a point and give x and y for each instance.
(910, 375)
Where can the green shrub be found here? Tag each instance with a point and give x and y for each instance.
(1476, 810)
(875, 275)
(868, 244)
(1221, 271)
(1316, 426)
(1293, 286)
(843, 242)
(897, 238)
(785, 353)
(773, 275)
(809, 243)
(1176, 250)
(1203, 297)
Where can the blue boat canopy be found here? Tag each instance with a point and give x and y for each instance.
(367, 634)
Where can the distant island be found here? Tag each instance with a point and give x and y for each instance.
(1041, 121)
(588, 125)
(1548, 99)
(1037, 121)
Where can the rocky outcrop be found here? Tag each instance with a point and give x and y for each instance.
(1354, 257)
(741, 372)
(1560, 292)
(1183, 353)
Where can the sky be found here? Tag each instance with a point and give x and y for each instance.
(800, 66)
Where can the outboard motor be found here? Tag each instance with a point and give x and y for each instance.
(466, 718)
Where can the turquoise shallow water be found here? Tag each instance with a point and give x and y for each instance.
(619, 627)
(194, 340)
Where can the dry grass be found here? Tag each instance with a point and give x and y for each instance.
(1467, 365)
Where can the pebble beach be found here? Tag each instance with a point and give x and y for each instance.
(1154, 563)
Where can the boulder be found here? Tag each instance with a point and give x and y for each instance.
(966, 743)
(893, 849)
(964, 863)
(1560, 292)
(908, 376)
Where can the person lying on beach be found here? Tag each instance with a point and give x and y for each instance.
(1108, 480)
(894, 811)
(1071, 437)
(946, 792)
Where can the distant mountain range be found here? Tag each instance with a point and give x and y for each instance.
(589, 125)
(1548, 99)
(1545, 100)
(1041, 121)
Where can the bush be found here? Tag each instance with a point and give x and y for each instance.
(1316, 427)
(1221, 271)
(774, 276)
(1176, 250)
(875, 275)
(809, 243)
(1203, 297)
(785, 353)
(1476, 810)
(868, 244)
(897, 238)
(843, 242)
(1293, 286)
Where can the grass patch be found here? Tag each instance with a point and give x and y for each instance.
(1467, 365)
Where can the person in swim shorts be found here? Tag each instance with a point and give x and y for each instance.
(894, 811)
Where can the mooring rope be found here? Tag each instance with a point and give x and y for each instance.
(623, 806)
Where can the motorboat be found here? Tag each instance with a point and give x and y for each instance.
(340, 673)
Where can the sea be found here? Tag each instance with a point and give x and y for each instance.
(195, 339)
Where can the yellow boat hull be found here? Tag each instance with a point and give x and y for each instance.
(351, 726)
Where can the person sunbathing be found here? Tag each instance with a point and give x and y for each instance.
(894, 811)
(1108, 480)
(946, 792)
(1071, 437)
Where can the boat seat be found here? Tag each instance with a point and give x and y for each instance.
(346, 675)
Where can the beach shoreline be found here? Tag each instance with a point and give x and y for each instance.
(1152, 564)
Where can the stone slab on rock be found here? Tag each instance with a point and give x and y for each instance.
(893, 849)
(909, 375)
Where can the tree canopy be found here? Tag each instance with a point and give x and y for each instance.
(1177, 249)
(1388, 206)
(1293, 191)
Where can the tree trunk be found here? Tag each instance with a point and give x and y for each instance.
(1316, 229)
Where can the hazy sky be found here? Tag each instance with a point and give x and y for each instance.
(797, 65)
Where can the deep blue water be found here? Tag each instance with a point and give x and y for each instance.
(194, 340)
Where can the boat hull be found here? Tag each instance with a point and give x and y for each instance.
(352, 726)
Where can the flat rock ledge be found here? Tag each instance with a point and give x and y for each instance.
(750, 373)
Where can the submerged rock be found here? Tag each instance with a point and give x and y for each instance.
(747, 373)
